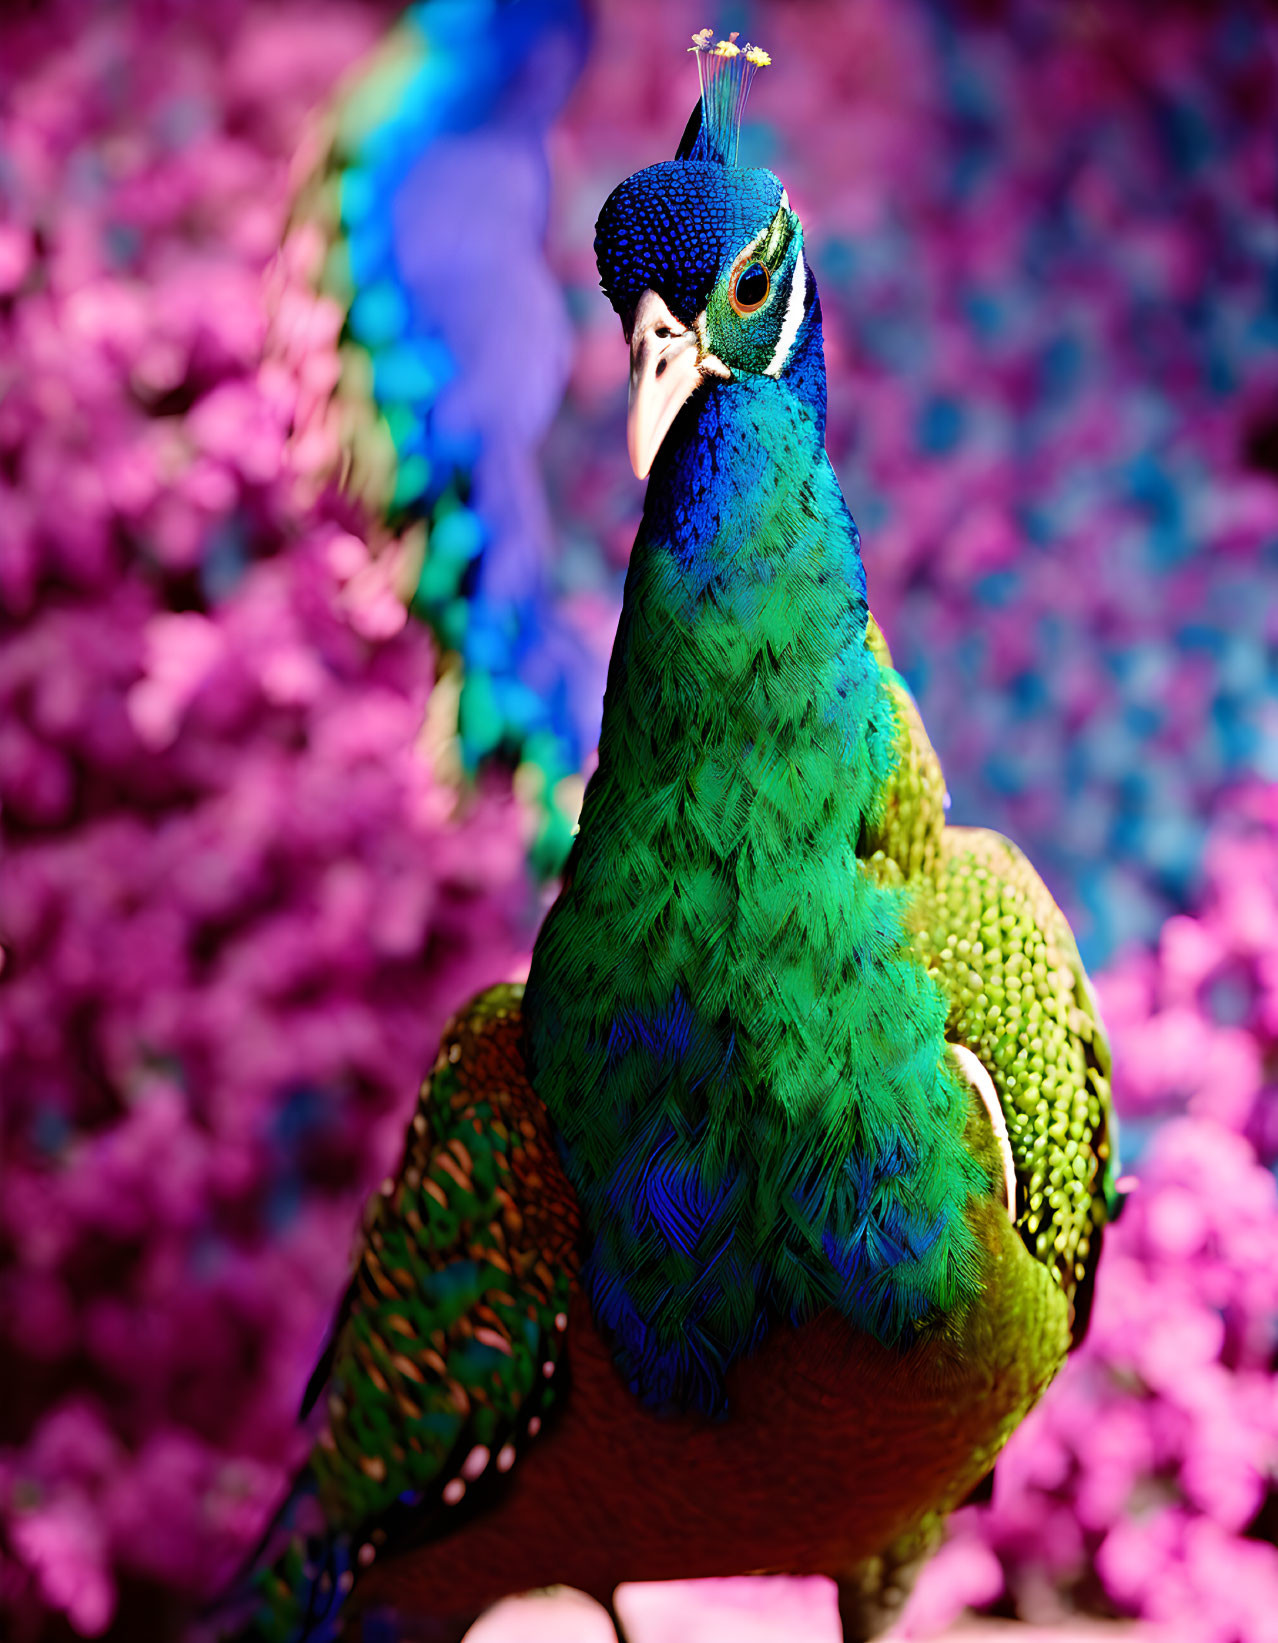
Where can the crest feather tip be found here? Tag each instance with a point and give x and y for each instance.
(725, 71)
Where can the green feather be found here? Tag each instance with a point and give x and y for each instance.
(727, 1018)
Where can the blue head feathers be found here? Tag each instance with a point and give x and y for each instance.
(671, 227)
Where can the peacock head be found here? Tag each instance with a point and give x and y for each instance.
(703, 260)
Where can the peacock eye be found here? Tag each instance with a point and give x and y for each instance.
(750, 288)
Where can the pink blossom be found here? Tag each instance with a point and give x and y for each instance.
(63, 1545)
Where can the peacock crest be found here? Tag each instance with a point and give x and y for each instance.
(725, 73)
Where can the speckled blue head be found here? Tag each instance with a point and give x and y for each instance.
(676, 227)
(692, 231)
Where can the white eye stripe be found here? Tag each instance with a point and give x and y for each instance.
(792, 321)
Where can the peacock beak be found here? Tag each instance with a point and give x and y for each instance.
(667, 362)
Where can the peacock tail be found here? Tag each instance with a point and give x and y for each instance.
(422, 221)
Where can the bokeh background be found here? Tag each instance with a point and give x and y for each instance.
(314, 513)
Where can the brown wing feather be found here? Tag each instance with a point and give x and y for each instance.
(445, 1352)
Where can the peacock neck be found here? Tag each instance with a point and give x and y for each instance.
(742, 638)
(744, 1063)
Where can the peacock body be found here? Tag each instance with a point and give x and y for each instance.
(742, 1238)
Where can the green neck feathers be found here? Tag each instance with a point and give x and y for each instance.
(745, 1065)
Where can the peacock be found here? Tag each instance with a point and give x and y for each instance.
(743, 1235)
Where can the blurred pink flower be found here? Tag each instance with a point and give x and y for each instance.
(63, 1545)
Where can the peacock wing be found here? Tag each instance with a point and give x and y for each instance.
(1020, 1003)
(1022, 1014)
(456, 1316)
